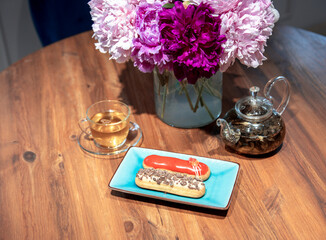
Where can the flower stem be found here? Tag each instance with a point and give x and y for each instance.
(212, 91)
(164, 100)
(163, 82)
(199, 98)
(187, 95)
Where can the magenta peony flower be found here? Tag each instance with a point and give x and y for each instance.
(147, 50)
(247, 29)
(192, 38)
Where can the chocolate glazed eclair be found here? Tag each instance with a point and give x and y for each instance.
(174, 183)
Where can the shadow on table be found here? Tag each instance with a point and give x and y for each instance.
(179, 206)
(137, 89)
(138, 93)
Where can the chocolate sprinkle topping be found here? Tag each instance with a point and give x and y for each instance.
(167, 178)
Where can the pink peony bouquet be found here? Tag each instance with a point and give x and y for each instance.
(194, 38)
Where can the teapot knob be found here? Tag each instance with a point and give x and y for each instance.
(254, 91)
(286, 97)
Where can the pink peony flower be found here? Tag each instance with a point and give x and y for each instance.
(147, 50)
(114, 27)
(247, 29)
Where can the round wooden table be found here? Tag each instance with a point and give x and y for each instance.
(51, 189)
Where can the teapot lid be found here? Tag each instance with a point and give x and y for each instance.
(254, 108)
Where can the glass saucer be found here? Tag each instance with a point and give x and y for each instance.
(133, 139)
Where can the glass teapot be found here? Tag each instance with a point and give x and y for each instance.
(253, 126)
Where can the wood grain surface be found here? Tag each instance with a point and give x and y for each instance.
(51, 189)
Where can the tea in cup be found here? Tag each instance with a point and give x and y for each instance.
(108, 122)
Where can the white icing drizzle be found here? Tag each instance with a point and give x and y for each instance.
(195, 165)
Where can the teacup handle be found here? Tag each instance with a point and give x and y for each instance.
(286, 97)
(83, 125)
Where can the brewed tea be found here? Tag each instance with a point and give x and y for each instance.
(109, 129)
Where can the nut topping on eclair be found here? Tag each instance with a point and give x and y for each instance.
(167, 178)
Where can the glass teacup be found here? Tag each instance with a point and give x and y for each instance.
(108, 123)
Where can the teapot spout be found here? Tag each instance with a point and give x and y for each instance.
(227, 133)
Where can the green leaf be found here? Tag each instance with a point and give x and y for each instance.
(168, 5)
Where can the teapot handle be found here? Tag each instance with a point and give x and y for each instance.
(286, 97)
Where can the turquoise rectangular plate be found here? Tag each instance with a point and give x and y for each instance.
(219, 186)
